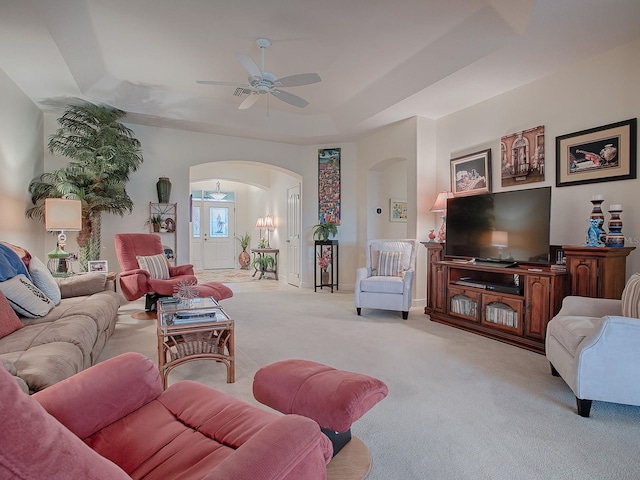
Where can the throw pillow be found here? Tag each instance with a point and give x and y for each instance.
(10, 263)
(9, 321)
(156, 265)
(631, 297)
(390, 264)
(43, 279)
(25, 298)
(24, 255)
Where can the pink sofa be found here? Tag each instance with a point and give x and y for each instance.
(113, 421)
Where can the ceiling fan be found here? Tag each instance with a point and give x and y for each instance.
(262, 82)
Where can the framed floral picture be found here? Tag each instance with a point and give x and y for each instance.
(397, 210)
(471, 174)
(600, 154)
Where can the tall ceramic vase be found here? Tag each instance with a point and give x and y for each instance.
(615, 238)
(164, 189)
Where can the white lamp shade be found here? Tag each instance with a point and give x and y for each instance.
(268, 223)
(63, 214)
(440, 205)
(260, 223)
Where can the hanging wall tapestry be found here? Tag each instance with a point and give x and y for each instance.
(522, 157)
(329, 185)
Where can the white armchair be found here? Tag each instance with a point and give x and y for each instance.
(594, 345)
(386, 282)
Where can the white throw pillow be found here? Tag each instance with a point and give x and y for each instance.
(25, 298)
(156, 265)
(390, 264)
(631, 297)
(43, 279)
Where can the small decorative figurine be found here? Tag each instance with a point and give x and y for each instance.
(593, 234)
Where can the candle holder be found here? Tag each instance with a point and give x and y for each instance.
(596, 213)
(615, 238)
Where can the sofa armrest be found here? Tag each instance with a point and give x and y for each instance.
(589, 307)
(361, 274)
(180, 270)
(81, 284)
(94, 398)
(276, 450)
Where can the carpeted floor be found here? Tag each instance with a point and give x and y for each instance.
(460, 406)
(227, 275)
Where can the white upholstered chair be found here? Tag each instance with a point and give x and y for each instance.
(594, 345)
(386, 282)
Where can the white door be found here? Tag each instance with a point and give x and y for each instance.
(293, 235)
(218, 230)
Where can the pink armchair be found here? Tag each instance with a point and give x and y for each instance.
(136, 282)
(113, 421)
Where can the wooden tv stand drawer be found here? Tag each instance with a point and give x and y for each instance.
(468, 297)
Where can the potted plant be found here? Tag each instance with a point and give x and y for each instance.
(325, 230)
(155, 221)
(263, 263)
(103, 153)
(244, 259)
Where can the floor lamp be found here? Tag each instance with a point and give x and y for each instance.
(62, 215)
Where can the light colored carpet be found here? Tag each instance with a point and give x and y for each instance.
(460, 406)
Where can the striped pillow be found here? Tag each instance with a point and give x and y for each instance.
(156, 265)
(631, 297)
(390, 264)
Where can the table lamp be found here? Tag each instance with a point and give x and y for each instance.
(61, 215)
(270, 226)
(440, 205)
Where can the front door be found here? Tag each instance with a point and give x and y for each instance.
(218, 230)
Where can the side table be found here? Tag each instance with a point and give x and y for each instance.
(326, 253)
(261, 253)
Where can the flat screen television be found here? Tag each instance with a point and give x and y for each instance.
(511, 225)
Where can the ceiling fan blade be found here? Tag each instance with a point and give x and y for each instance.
(249, 101)
(298, 80)
(249, 65)
(232, 84)
(290, 98)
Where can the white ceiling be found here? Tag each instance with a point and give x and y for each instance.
(381, 61)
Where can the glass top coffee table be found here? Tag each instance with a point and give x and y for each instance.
(194, 329)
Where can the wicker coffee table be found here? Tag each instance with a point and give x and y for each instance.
(194, 329)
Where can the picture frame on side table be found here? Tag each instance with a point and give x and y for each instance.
(397, 210)
(600, 154)
(98, 266)
(471, 174)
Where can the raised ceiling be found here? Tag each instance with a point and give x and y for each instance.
(381, 61)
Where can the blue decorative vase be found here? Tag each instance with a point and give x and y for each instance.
(164, 189)
(615, 238)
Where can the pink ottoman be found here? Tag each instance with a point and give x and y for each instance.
(219, 291)
(333, 398)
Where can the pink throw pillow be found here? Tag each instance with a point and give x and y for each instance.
(9, 321)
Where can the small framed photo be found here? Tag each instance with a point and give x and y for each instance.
(600, 154)
(471, 174)
(98, 266)
(397, 210)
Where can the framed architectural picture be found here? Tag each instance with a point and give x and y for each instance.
(522, 157)
(397, 210)
(471, 174)
(329, 185)
(600, 154)
(98, 266)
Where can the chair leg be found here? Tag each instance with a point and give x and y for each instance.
(405, 315)
(584, 407)
(554, 372)
(358, 310)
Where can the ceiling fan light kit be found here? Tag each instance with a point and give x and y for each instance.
(262, 82)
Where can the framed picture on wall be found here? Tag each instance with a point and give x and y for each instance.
(600, 154)
(329, 185)
(471, 174)
(397, 210)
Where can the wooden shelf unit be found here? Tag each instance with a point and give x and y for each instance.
(168, 211)
(519, 318)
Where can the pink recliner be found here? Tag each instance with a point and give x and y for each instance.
(113, 421)
(136, 282)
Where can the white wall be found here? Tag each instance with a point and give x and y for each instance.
(21, 160)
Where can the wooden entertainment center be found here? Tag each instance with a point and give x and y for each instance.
(514, 304)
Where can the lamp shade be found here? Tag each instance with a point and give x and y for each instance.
(440, 204)
(268, 223)
(63, 214)
(260, 223)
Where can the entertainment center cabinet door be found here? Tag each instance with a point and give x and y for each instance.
(504, 313)
(464, 304)
(537, 311)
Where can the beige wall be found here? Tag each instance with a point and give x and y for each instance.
(21, 159)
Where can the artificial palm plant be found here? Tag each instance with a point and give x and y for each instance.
(103, 155)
